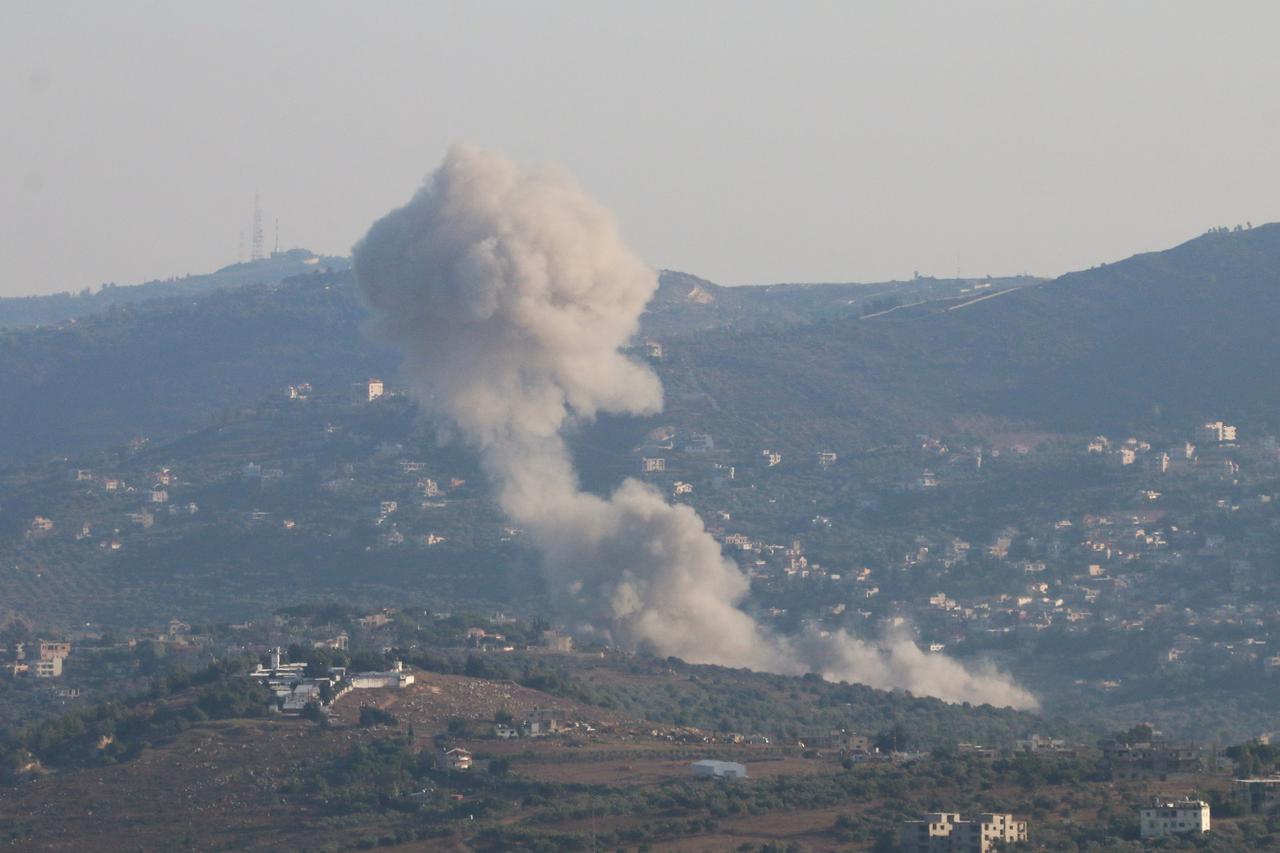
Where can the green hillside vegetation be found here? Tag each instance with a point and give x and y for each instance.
(117, 730)
(686, 304)
(1160, 337)
(339, 784)
(1168, 337)
(719, 699)
(274, 501)
(174, 354)
(166, 366)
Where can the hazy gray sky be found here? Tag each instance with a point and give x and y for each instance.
(745, 142)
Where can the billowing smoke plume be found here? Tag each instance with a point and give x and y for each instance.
(511, 293)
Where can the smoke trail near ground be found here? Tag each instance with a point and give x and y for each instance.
(510, 293)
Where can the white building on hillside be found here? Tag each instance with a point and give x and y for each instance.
(396, 677)
(454, 759)
(367, 391)
(51, 668)
(722, 769)
(699, 442)
(1183, 817)
(1216, 433)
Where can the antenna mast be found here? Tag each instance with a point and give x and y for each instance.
(256, 254)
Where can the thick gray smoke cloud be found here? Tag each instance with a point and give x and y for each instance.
(511, 293)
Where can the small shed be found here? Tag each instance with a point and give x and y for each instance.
(723, 769)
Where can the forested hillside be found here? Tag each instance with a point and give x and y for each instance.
(172, 355)
(164, 367)
(1167, 336)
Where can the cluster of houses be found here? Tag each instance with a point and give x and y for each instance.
(43, 661)
(1108, 541)
(949, 832)
(1101, 569)
(425, 497)
(489, 640)
(1116, 555)
(537, 722)
(767, 560)
(540, 722)
(109, 508)
(1208, 453)
(1164, 818)
(120, 513)
(1114, 581)
(697, 453)
(937, 832)
(295, 690)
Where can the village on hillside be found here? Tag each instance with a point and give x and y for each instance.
(1157, 540)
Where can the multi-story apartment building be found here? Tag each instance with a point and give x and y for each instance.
(1258, 795)
(1183, 817)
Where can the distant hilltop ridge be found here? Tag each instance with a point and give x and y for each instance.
(57, 308)
(1180, 336)
(686, 303)
(683, 302)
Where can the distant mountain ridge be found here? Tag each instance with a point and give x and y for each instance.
(1174, 335)
(164, 366)
(683, 303)
(686, 303)
(1160, 338)
(61, 307)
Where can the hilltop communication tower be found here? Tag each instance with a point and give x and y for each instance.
(256, 253)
